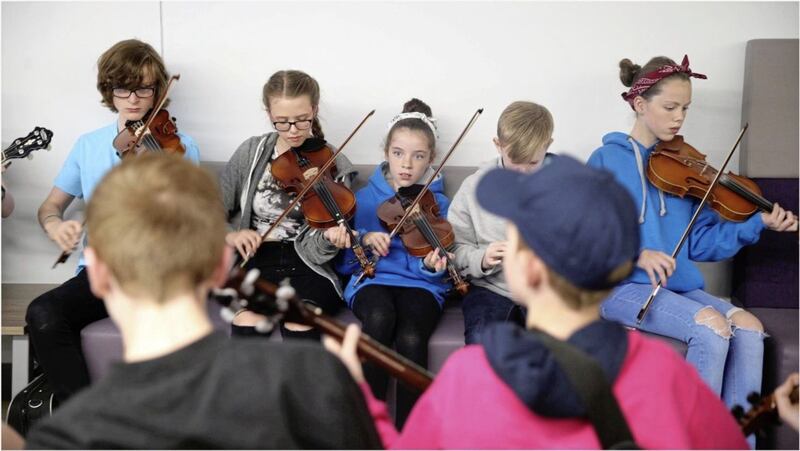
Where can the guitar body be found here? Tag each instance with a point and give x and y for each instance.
(33, 403)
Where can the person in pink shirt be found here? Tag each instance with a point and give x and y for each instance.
(573, 235)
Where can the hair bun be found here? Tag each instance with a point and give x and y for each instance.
(628, 71)
(417, 106)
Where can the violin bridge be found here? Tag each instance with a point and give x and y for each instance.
(311, 173)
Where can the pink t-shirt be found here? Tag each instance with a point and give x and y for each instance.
(468, 406)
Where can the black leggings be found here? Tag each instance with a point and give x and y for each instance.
(405, 316)
(55, 320)
(279, 260)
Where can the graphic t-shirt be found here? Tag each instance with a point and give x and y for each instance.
(269, 201)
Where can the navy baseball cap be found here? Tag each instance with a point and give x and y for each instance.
(577, 219)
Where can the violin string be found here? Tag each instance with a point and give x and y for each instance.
(433, 239)
(333, 209)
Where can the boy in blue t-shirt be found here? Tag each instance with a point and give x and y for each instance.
(130, 77)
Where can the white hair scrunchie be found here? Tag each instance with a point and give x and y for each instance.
(429, 121)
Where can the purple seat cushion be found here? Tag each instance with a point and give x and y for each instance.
(766, 274)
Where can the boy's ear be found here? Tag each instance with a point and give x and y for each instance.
(99, 273)
(220, 274)
(548, 144)
(497, 145)
(535, 272)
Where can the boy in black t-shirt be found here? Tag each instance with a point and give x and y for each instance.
(156, 247)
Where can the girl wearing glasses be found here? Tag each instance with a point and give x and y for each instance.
(252, 196)
(130, 76)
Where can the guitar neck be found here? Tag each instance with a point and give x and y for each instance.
(398, 366)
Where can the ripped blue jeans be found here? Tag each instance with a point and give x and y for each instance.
(729, 360)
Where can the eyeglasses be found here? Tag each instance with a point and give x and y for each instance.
(141, 93)
(285, 126)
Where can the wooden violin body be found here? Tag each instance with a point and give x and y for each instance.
(426, 218)
(161, 135)
(326, 199)
(426, 231)
(678, 168)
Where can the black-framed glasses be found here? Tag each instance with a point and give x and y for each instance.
(142, 93)
(284, 126)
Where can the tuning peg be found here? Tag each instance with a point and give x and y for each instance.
(265, 326)
(248, 284)
(284, 293)
(227, 314)
(754, 398)
(738, 412)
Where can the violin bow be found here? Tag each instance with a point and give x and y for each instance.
(150, 119)
(65, 254)
(646, 306)
(414, 204)
(309, 185)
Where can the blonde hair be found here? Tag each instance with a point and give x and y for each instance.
(524, 128)
(577, 298)
(158, 222)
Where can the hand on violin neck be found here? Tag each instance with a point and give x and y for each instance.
(780, 220)
(246, 242)
(338, 236)
(346, 351)
(493, 255)
(436, 261)
(658, 266)
(378, 241)
(788, 411)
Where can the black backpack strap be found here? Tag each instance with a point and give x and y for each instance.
(589, 382)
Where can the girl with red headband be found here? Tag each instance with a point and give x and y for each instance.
(725, 343)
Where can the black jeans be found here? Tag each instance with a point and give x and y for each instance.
(405, 316)
(279, 260)
(482, 307)
(55, 320)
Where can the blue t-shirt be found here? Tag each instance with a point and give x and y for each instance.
(92, 157)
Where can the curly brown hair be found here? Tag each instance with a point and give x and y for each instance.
(126, 65)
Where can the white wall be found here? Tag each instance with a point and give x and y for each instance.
(455, 56)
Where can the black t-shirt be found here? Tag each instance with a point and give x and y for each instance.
(218, 393)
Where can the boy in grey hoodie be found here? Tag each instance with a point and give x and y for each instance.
(524, 132)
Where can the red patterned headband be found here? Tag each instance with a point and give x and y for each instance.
(648, 80)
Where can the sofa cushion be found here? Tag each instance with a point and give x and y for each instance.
(766, 274)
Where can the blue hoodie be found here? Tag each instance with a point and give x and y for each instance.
(664, 216)
(399, 268)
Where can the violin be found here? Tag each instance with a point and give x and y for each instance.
(328, 203)
(158, 133)
(303, 178)
(427, 231)
(692, 171)
(763, 412)
(247, 290)
(427, 225)
(678, 168)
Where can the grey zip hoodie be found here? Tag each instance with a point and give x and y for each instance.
(238, 183)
